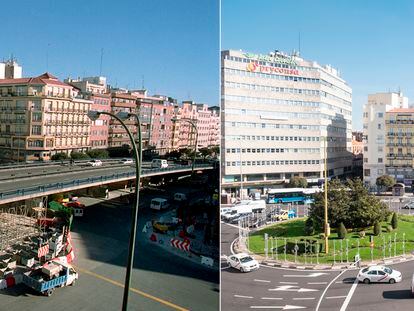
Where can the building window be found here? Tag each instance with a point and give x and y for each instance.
(380, 171)
(365, 160)
(379, 160)
(380, 115)
(380, 149)
(367, 172)
(379, 126)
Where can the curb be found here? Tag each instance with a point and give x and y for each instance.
(300, 266)
(335, 267)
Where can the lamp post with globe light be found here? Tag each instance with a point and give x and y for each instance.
(137, 154)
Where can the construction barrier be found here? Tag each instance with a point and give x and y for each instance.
(182, 245)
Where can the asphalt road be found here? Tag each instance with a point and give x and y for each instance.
(160, 280)
(328, 290)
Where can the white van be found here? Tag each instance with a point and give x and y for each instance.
(159, 204)
(180, 196)
(159, 163)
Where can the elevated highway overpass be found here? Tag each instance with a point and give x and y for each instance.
(22, 183)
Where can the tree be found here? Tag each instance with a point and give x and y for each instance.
(349, 203)
(385, 181)
(79, 156)
(215, 150)
(394, 221)
(297, 182)
(59, 156)
(377, 228)
(204, 152)
(309, 228)
(98, 153)
(341, 231)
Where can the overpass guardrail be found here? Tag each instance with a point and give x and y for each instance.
(39, 189)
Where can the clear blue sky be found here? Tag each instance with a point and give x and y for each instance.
(370, 42)
(174, 44)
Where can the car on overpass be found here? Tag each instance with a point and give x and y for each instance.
(94, 163)
(127, 161)
(379, 274)
(243, 262)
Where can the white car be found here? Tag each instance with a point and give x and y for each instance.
(127, 161)
(376, 274)
(94, 163)
(409, 205)
(244, 262)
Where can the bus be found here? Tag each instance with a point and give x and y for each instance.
(291, 195)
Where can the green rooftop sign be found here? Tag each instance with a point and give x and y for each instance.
(269, 58)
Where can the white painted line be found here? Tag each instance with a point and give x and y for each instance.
(272, 298)
(339, 282)
(231, 225)
(317, 283)
(286, 307)
(295, 269)
(326, 289)
(335, 297)
(349, 296)
(263, 281)
(288, 282)
(304, 298)
(312, 275)
(231, 246)
(240, 296)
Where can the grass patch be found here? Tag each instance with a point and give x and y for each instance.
(291, 233)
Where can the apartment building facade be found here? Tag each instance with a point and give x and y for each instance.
(375, 133)
(276, 111)
(399, 144)
(95, 89)
(41, 116)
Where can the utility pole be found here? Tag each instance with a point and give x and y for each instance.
(326, 226)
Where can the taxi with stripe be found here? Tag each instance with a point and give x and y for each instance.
(379, 274)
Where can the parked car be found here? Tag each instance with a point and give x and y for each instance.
(127, 161)
(376, 274)
(94, 163)
(159, 163)
(410, 205)
(180, 196)
(243, 262)
(159, 204)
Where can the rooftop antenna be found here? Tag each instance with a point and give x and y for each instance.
(299, 45)
(143, 82)
(100, 66)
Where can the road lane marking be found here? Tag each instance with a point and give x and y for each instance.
(241, 296)
(288, 282)
(304, 298)
(231, 225)
(263, 281)
(326, 289)
(312, 275)
(290, 288)
(137, 291)
(335, 297)
(286, 307)
(317, 283)
(272, 298)
(349, 296)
